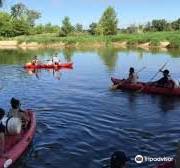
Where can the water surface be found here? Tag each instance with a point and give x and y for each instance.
(80, 121)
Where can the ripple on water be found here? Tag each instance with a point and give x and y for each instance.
(80, 121)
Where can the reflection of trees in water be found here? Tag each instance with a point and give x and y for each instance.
(22, 56)
(109, 56)
(68, 53)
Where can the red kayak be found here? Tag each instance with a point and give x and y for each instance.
(15, 145)
(46, 66)
(143, 87)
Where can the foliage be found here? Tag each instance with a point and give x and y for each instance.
(159, 25)
(79, 27)
(66, 27)
(20, 12)
(176, 24)
(6, 25)
(108, 22)
(32, 15)
(47, 28)
(92, 28)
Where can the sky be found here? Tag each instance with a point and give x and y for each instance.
(88, 11)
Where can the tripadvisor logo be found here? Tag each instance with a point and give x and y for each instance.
(139, 159)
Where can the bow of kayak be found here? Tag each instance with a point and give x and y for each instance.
(15, 145)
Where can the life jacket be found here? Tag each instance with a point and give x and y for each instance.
(133, 78)
(12, 125)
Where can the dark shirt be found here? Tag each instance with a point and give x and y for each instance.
(163, 81)
(2, 128)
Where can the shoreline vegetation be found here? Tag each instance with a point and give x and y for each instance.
(19, 30)
(51, 40)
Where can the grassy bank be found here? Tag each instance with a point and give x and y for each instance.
(153, 38)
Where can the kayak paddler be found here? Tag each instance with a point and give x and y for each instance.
(16, 111)
(35, 60)
(55, 59)
(133, 77)
(165, 81)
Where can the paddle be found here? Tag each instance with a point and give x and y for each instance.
(160, 70)
(114, 87)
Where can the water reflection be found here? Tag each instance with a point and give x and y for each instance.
(167, 104)
(109, 56)
(56, 73)
(82, 121)
(68, 54)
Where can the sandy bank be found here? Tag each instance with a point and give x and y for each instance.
(34, 45)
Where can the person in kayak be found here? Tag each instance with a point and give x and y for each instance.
(55, 59)
(2, 131)
(165, 81)
(16, 111)
(35, 61)
(132, 78)
(118, 160)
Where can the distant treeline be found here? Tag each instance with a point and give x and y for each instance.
(21, 21)
(157, 25)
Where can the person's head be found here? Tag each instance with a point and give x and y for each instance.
(166, 73)
(15, 104)
(131, 70)
(118, 159)
(2, 113)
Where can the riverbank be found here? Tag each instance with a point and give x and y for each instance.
(141, 40)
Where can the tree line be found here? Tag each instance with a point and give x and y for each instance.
(156, 25)
(21, 21)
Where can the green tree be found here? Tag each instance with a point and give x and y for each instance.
(49, 28)
(6, 28)
(32, 15)
(99, 30)
(92, 28)
(20, 27)
(66, 27)
(159, 25)
(79, 27)
(39, 29)
(147, 27)
(176, 24)
(109, 21)
(132, 29)
(18, 10)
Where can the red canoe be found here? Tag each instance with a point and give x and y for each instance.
(15, 146)
(45, 66)
(143, 87)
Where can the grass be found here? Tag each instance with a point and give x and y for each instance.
(154, 38)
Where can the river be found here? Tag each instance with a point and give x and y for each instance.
(80, 121)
